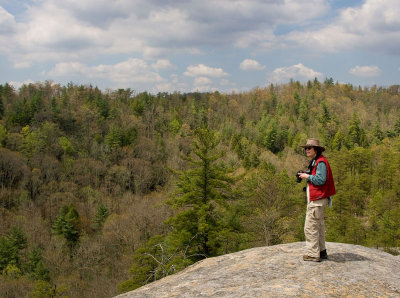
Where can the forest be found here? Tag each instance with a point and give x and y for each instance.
(103, 191)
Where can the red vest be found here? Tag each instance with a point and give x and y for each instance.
(318, 192)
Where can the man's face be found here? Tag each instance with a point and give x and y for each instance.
(311, 153)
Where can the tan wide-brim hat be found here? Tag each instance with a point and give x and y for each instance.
(313, 143)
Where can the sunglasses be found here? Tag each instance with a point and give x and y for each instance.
(308, 148)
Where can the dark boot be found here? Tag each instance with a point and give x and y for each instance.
(323, 255)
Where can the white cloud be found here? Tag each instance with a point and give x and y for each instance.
(202, 84)
(54, 28)
(18, 85)
(225, 82)
(68, 69)
(365, 71)
(374, 26)
(203, 70)
(162, 64)
(8, 27)
(204, 88)
(250, 64)
(174, 78)
(130, 71)
(22, 64)
(202, 81)
(295, 72)
(165, 87)
(70, 38)
(73, 30)
(7, 22)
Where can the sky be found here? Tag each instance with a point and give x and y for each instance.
(204, 45)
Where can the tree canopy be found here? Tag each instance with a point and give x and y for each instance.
(95, 184)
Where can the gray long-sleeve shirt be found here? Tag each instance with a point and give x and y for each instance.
(320, 176)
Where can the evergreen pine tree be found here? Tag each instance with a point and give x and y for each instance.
(3, 134)
(1, 107)
(67, 224)
(203, 196)
(101, 216)
(10, 247)
(338, 140)
(206, 223)
(397, 127)
(34, 265)
(356, 135)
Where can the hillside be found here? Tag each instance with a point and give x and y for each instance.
(278, 271)
(104, 191)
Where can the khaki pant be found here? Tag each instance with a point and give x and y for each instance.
(314, 227)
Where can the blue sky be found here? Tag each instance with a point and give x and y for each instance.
(177, 45)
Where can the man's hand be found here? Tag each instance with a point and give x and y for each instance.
(304, 176)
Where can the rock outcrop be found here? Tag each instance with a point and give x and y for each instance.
(279, 271)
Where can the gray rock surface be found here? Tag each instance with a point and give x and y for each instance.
(279, 271)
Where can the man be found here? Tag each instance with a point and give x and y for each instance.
(320, 188)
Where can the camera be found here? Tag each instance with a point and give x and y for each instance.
(298, 180)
